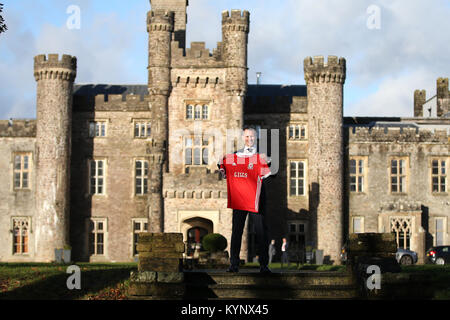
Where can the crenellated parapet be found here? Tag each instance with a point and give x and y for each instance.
(197, 56)
(160, 20)
(52, 67)
(17, 128)
(237, 20)
(380, 134)
(318, 71)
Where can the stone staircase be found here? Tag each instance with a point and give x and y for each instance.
(250, 284)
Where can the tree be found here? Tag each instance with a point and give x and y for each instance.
(3, 27)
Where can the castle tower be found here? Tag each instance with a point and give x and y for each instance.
(53, 147)
(235, 29)
(160, 26)
(419, 101)
(325, 81)
(180, 9)
(443, 96)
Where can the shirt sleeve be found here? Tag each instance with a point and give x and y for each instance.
(221, 167)
(264, 168)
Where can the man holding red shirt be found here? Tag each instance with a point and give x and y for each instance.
(244, 171)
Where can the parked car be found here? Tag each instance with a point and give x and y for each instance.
(439, 254)
(405, 256)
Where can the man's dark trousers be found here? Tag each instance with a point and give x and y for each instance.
(262, 237)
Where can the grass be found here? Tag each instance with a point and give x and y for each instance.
(36, 281)
(109, 281)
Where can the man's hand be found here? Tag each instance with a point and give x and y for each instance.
(222, 172)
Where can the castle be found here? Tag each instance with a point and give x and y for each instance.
(102, 163)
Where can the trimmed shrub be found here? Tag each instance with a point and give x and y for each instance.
(214, 242)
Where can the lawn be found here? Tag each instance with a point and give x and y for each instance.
(109, 281)
(106, 281)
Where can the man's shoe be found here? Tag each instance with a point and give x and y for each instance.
(265, 270)
(233, 269)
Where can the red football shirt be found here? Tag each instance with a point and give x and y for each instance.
(244, 174)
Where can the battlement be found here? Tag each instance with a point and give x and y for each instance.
(17, 128)
(53, 61)
(237, 20)
(318, 70)
(160, 20)
(111, 102)
(52, 67)
(197, 56)
(385, 134)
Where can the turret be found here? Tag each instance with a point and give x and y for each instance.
(419, 101)
(443, 97)
(325, 81)
(55, 78)
(179, 7)
(235, 29)
(160, 26)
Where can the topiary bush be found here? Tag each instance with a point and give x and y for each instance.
(214, 242)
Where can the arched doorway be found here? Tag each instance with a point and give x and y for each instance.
(194, 230)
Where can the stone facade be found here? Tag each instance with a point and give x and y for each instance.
(103, 163)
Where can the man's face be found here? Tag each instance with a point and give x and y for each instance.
(249, 137)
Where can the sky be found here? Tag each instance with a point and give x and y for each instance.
(392, 47)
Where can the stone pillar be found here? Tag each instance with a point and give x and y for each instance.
(325, 83)
(55, 79)
(159, 272)
(160, 28)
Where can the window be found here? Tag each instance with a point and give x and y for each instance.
(439, 226)
(297, 178)
(438, 175)
(22, 168)
(142, 129)
(401, 227)
(97, 176)
(297, 234)
(141, 177)
(297, 132)
(357, 174)
(398, 175)
(97, 129)
(197, 112)
(196, 150)
(139, 225)
(358, 224)
(20, 235)
(189, 112)
(205, 112)
(97, 236)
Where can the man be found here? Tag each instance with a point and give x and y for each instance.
(244, 171)
(284, 252)
(272, 251)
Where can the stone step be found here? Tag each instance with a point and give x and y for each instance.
(298, 279)
(280, 285)
(220, 291)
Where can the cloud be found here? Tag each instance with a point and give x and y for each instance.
(384, 66)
